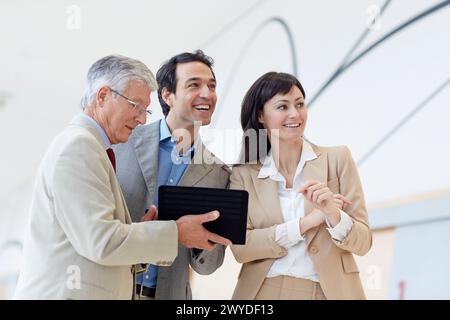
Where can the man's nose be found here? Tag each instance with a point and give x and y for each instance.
(205, 92)
(142, 117)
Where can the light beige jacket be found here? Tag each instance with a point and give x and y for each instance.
(81, 243)
(333, 261)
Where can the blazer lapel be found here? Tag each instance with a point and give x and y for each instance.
(316, 169)
(147, 152)
(78, 120)
(198, 168)
(266, 189)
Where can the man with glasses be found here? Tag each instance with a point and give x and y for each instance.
(81, 242)
(170, 152)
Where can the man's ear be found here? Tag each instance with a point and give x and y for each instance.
(167, 96)
(102, 96)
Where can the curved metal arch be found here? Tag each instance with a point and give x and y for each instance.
(345, 66)
(256, 32)
(11, 243)
(402, 122)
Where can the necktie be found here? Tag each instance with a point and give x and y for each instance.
(112, 157)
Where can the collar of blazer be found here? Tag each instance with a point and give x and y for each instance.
(81, 122)
(266, 188)
(146, 143)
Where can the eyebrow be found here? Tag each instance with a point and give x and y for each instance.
(139, 101)
(199, 79)
(299, 99)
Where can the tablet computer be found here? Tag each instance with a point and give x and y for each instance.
(176, 201)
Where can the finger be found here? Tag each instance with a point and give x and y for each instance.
(210, 216)
(319, 192)
(317, 186)
(306, 185)
(150, 214)
(153, 212)
(155, 216)
(310, 190)
(214, 237)
(208, 246)
(341, 197)
(325, 197)
(340, 203)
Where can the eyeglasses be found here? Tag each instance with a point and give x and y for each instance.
(136, 107)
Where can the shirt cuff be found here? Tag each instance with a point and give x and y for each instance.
(288, 234)
(342, 229)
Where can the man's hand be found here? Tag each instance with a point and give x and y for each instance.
(150, 215)
(192, 234)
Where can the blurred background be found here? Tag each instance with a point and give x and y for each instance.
(376, 75)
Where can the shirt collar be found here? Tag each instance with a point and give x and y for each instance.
(105, 140)
(269, 169)
(164, 133)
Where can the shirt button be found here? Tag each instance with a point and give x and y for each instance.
(178, 159)
(146, 277)
(171, 180)
(314, 249)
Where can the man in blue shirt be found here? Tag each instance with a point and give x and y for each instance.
(170, 152)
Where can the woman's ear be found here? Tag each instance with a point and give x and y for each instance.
(261, 117)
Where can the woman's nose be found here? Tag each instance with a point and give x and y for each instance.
(293, 112)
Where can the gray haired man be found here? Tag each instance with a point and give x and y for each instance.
(81, 242)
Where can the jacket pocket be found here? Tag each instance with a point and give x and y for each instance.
(348, 263)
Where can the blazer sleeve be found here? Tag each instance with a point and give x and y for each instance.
(260, 243)
(206, 262)
(359, 239)
(85, 209)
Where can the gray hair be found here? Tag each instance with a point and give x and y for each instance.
(115, 71)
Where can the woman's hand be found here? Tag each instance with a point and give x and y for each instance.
(315, 218)
(323, 199)
(341, 201)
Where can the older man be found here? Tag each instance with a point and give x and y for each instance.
(82, 243)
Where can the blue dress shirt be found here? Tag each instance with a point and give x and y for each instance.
(171, 167)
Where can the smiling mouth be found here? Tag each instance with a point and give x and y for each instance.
(292, 125)
(202, 107)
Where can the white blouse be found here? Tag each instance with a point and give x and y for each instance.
(297, 262)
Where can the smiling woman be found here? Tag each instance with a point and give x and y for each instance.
(303, 199)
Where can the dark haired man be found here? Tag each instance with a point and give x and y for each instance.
(170, 152)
